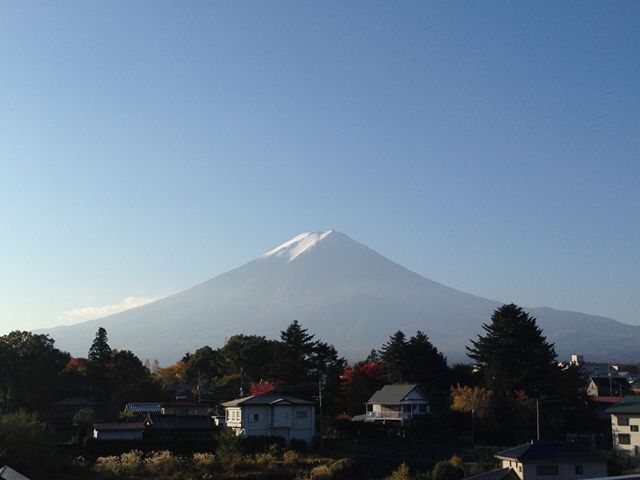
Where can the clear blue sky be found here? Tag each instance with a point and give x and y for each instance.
(148, 146)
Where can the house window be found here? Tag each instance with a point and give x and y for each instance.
(423, 408)
(623, 421)
(301, 414)
(546, 470)
(579, 470)
(407, 408)
(634, 428)
(624, 439)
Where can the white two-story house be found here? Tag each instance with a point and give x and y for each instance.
(547, 461)
(396, 404)
(625, 425)
(271, 415)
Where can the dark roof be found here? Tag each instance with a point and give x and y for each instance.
(551, 451)
(112, 426)
(628, 404)
(266, 400)
(172, 422)
(501, 474)
(603, 382)
(392, 393)
(143, 407)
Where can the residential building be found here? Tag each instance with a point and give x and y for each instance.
(625, 425)
(271, 415)
(118, 431)
(178, 428)
(143, 408)
(63, 411)
(396, 404)
(553, 461)
(607, 387)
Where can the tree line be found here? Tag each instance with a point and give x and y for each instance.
(513, 366)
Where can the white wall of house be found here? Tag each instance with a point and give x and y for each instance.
(556, 471)
(626, 433)
(287, 421)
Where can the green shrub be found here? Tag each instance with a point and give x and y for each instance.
(446, 470)
(24, 442)
(228, 450)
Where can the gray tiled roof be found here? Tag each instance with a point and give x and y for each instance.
(143, 407)
(266, 400)
(551, 451)
(391, 393)
(119, 426)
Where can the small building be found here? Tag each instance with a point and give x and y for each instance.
(118, 431)
(143, 408)
(396, 404)
(63, 411)
(625, 425)
(607, 387)
(8, 473)
(178, 428)
(557, 460)
(185, 409)
(271, 415)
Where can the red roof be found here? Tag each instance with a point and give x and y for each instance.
(606, 399)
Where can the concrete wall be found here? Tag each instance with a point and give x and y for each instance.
(617, 429)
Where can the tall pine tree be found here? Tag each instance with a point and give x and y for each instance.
(296, 349)
(514, 356)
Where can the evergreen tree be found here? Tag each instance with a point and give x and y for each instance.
(100, 351)
(297, 347)
(98, 360)
(251, 354)
(326, 368)
(394, 355)
(514, 356)
(30, 369)
(425, 365)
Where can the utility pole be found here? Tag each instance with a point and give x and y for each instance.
(320, 405)
(538, 419)
(199, 386)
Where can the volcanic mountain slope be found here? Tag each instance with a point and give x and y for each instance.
(343, 292)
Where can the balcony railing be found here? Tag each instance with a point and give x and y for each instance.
(390, 415)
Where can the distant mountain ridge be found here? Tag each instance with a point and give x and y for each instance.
(344, 293)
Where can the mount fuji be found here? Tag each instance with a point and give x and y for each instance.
(344, 293)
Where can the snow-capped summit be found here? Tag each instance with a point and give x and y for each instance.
(299, 244)
(343, 292)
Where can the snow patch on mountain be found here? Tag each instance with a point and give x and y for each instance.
(298, 245)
